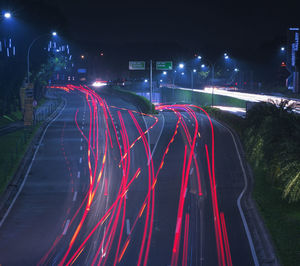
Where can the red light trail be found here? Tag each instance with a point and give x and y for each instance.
(112, 241)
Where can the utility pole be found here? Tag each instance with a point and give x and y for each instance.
(151, 81)
(212, 84)
(192, 79)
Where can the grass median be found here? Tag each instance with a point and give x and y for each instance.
(143, 103)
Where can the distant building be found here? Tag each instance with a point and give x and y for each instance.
(292, 48)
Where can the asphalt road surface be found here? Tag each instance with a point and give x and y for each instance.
(109, 185)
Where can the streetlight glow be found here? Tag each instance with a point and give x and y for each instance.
(165, 73)
(236, 69)
(181, 65)
(146, 80)
(282, 49)
(203, 66)
(194, 70)
(54, 33)
(7, 15)
(182, 73)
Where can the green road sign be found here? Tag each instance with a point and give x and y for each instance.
(164, 65)
(137, 65)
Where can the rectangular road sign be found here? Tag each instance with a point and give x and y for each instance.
(137, 65)
(164, 65)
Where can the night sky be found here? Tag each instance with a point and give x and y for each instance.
(248, 30)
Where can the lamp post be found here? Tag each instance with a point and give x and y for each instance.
(212, 83)
(212, 66)
(29, 49)
(192, 77)
(151, 81)
(180, 66)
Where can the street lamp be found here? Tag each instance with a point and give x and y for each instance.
(7, 15)
(29, 49)
(236, 70)
(282, 49)
(165, 73)
(181, 65)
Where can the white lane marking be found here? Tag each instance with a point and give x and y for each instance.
(127, 226)
(78, 174)
(66, 227)
(253, 252)
(185, 192)
(80, 160)
(81, 148)
(81, 140)
(75, 196)
(148, 139)
(192, 170)
(126, 196)
(161, 130)
(185, 117)
(102, 250)
(30, 165)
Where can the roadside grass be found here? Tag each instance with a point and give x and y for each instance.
(13, 148)
(11, 118)
(281, 217)
(5, 120)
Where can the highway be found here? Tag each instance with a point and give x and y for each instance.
(109, 185)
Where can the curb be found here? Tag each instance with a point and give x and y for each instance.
(12, 189)
(260, 234)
